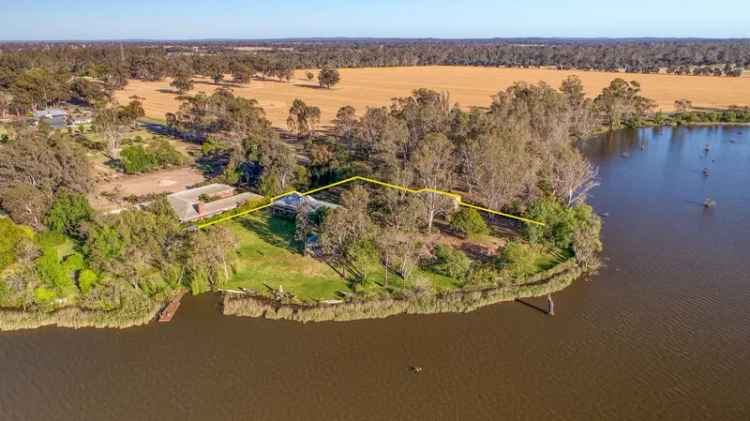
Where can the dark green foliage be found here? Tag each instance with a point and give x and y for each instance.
(159, 154)
(728, 116)
(451, 262)
(469, 222)
(68, 211)
(573, 230)
(560, 223)
(103, 243)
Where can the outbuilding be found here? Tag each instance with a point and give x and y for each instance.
(55, 117)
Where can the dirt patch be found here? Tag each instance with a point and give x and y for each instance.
(167, 181)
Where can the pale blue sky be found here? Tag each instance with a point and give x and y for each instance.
(184, 19)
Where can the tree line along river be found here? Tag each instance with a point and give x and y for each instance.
(663, 331)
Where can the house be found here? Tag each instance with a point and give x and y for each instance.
(55, 117)
(289, 205)
(202, 202)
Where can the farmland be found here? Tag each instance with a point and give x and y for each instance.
(468, 86)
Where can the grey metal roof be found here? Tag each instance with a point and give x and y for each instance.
(294, 201)
(185, 202)
(51, 113)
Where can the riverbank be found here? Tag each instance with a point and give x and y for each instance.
(130, 314)
(459, 301)
(142, 312)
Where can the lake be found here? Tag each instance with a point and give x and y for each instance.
(662, 332)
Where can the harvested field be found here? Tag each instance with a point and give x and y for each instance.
(469, 86)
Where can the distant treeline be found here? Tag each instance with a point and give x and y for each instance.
(154, 60)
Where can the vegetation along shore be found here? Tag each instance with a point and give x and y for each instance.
(100, 227)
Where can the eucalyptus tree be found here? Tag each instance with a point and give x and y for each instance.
(303, 118)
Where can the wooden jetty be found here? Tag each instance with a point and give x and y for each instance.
(168, 312)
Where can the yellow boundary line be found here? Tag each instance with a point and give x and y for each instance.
(455, 196)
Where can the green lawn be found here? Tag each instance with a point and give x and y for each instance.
(268, 258)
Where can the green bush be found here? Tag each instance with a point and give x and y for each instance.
(53, 273)
(10, 236)
(67, 212)
(560, 223)
(87, 279)
(519, 259)
(73, 263)
(451, 262)
(44, 296)
(49, 241)
(159, 154)
(469, 222)
(482, 275)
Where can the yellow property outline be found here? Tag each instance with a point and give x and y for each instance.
(455, 196)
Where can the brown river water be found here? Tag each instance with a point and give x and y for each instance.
(663, 332)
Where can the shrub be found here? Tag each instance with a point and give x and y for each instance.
(135, 159)
(87, 279)
(49, 241)
(44, 296)
(53, 274)
(67, 212)
(10, 236)
(73, 263)
(451, 262)
(469, 222)
(159, 154)
(482, 275)
(519, 259)
(560, 223)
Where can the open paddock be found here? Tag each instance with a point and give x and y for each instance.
(467, 86)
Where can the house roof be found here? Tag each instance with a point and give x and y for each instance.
(294, 201)
(51, 113)
(185, 203)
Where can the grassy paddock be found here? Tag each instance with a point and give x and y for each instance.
(459, 301)
(268, 257)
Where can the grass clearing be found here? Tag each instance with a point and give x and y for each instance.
(267, 257)
(468, 86)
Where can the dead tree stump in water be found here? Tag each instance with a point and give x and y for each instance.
(550, 305)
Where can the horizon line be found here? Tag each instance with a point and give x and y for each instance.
(377, 38)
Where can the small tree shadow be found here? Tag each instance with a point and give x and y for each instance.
(310, 86)
(219, 85)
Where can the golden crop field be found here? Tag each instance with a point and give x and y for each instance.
(468, 86)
